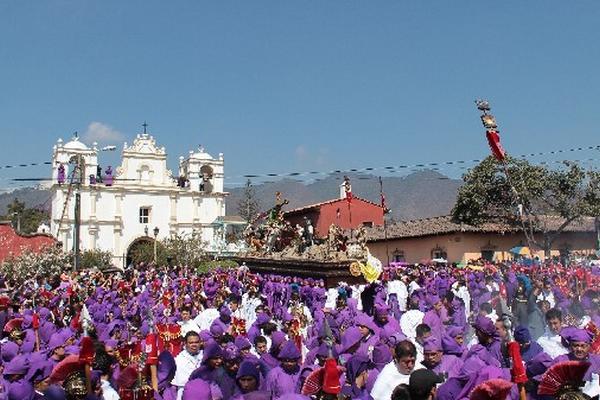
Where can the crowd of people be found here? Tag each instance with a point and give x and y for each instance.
(488, 331)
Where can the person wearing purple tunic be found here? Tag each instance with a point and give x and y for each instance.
(56, 349)
(284, 378)
(350, 343)
(452, 342)
(450, 389)
(383, 321)
(434, 359)
(485, 330)
(211, 369)
(529, 349)
(367, 328)
(38, 375)
(433, 317)
(231, 364)
(247, 380)
(579, 341)
(355, 386)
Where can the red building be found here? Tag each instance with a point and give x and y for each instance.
(13, 243)
(341, 212)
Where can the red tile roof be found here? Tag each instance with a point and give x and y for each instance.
(444, 225)
(13, 243)
(318, 205)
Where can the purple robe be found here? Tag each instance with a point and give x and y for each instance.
(449, 366)
(434, 321)
(279, 382)
(593, 359)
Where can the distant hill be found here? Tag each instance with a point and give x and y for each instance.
(418, 195)
(32, 197)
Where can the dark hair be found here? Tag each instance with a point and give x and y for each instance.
(405, 348)
(260, 339)
(553, 313)
(449, 296)
(577, 310)
(103, 362)
(189, 335)
(269, 328)
(225, 338)
(401, 392)
(422, 329)
(487, 307)
(185, 308)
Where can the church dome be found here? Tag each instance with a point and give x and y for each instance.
(201, 154)
(75, 144)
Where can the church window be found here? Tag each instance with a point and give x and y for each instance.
(439, 252)
(144, 215)
(399, 255)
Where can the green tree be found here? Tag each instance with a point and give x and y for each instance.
(144, 252)
(185, 249)
(532, 196)
(25, 220)
(96, 259)
(248, 206)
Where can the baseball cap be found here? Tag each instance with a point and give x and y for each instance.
(421, 382)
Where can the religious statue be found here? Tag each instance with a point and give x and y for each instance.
(61, 174)
(276, 213)
(309, 232)
(108, 177)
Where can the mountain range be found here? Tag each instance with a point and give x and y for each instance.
(421, 194)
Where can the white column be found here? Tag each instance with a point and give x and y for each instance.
(173, 217)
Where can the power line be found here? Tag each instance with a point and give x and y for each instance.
(390, 168)
(436, 166)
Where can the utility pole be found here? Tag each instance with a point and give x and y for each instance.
(18, 215)
(77, 230)
(156, 230)
(597, 224)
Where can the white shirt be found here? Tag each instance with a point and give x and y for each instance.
(398, 288)
(552, 345)
(186, 364)
(412, 286)
(188, 326)
(108, 392)
(248, 308)
(463, 294)
(205, 319)
(332, 295)
(548, 296)
(409, 321)
(386, 382)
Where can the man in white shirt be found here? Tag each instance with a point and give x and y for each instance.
(551, 341)
(205, 318)
(547, 294)
(396, 371)
(103, 363)
(187, 361)
(186, 323)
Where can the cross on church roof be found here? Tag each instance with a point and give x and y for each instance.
(145, 125)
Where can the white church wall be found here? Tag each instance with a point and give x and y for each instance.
(110, 216)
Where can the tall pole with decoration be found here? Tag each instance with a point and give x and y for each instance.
(385, 211)
(492, 135)
(348, 192)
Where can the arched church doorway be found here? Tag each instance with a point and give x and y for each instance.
(140, 246)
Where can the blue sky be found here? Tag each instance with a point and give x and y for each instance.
(282, 86)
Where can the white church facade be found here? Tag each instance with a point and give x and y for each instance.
(138, 199)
